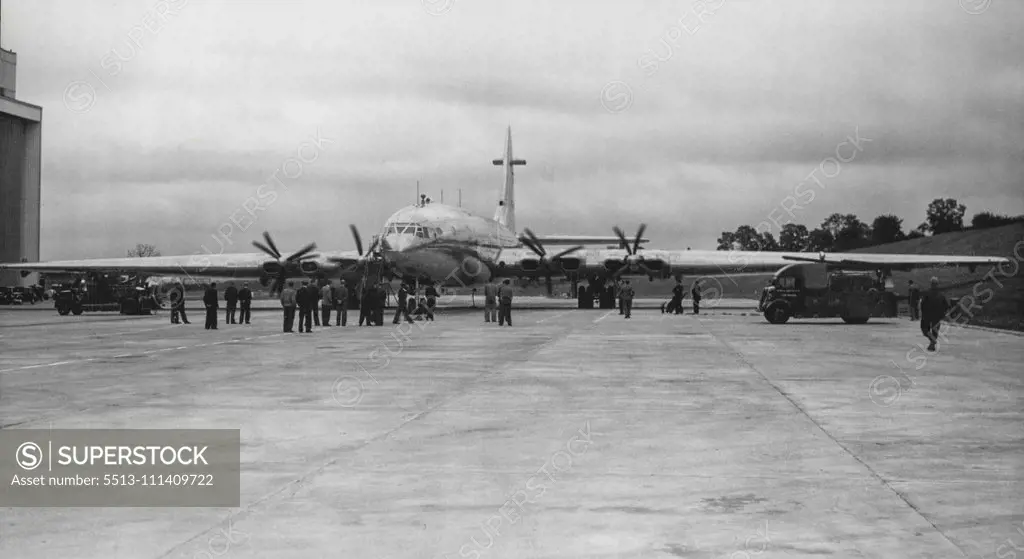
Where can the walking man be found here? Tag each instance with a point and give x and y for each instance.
(490, 302)
(914, 300)
(231, 298)
(212, 304)
(627, 298)
(288, 302)
(326, 302)
(403, 305)
(695, 293)
(934, 307)
(341, 304)
(245, 301)
(505, 300)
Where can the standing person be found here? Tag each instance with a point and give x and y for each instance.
(934, 307)
(326, 302)
(490, 302)
(245, 302)
(695, 293)
(505, 293)
(341, 304)
(380, 303)
(914, 300)
(675, 306)
(366, 304)
(402, 310)
(231, 298)
(627, 298)
(178, 306)
(431, 293)
(618, 295)
(210, 299)
(288, 302)
(314, 302)
(305, 301)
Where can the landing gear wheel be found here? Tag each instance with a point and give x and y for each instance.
(77, 311)
(63, 311)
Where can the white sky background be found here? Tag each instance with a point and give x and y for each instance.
(740, 109)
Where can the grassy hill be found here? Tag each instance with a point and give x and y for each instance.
(1004, 308)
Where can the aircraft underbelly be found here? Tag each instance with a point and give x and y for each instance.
(445, 267)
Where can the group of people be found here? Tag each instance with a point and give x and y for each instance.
(498, 303)
(236, 299)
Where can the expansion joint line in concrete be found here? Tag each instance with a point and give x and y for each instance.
(740, 357)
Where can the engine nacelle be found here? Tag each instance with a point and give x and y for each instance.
(166, 290)
(312, 267)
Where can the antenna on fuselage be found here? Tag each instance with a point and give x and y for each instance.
(442, 196)
(417, 192)
(460, 197)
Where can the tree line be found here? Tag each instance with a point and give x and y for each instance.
(844, 232)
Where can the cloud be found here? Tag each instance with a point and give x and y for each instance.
(730, 120)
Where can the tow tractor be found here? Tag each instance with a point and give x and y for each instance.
(98, 293)
(814, 290)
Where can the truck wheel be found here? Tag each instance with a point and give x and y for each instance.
(777, 314)
(63, 311)
(855, 320)
(77, 311)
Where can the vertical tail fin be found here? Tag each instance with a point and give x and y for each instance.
(506, 212)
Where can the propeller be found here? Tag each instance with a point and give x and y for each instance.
(290, 264)
(531, 241)
(632, 256)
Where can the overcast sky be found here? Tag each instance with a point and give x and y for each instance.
(626, 112)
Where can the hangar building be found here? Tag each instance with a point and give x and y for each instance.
(20, 169)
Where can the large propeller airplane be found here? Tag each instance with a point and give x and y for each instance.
(433, 242)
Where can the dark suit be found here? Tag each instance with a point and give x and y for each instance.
(341, 304)
(934, 307)
(676, 304)
(695, 293)
(366, 305)
(210, 299)
(231, 298)
(314, 300)
(245, 299)
(306, 300)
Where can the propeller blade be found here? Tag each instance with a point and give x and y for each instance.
(359, 240)
(536, 242)
(622, 238)
(270, 243)
(529, 244)
(639, 235)
(306, 249)
(567, 252)
(265, 249)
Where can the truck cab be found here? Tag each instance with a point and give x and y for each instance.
(813, 290)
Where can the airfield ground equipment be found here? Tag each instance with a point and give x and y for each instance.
(813, 290)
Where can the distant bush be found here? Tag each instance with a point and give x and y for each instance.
(986, 220)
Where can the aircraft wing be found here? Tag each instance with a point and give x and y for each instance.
(248, 265)
(665, 263)
(896, 261)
